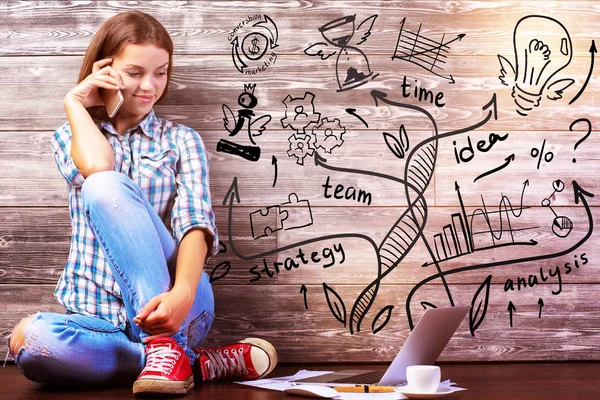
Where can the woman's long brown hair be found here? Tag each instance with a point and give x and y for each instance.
(131, 27)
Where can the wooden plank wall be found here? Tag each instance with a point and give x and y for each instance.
(369, 242)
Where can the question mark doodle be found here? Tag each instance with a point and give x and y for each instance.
(583, 138)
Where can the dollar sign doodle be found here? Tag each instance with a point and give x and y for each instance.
(254, 50)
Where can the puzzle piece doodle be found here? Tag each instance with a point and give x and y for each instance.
(261, 220)
(295, 213)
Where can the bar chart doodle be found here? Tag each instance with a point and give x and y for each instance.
(427, 53)
(463, 235)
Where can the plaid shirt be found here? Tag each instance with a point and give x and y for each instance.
(169, 163)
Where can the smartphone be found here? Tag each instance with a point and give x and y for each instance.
(113, 99)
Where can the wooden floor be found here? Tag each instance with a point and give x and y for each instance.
(570, 381)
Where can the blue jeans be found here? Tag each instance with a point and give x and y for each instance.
(75, 348)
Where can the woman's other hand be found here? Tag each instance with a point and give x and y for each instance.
(164, 314)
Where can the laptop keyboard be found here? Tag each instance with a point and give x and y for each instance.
(366, 378)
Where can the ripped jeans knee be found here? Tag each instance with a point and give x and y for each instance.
(36, 351)
(72, 348)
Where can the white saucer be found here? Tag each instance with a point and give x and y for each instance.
(441, 392)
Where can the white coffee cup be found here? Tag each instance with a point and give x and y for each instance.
(423, 378)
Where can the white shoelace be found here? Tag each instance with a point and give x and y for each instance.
(221, 364)
(161, 359)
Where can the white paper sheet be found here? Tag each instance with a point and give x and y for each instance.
(284, 382)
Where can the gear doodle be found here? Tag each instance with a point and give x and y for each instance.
(328, 135)
(300, 147)
(300, 112)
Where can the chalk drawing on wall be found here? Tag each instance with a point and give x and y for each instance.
(221, 270)
(292, 214)
(463, 233)
(398, 145)
(561, 224)
(587, 122)
(247, 100)
(343, 38)
(423, 51)
(481, 296)
(300, 114)
(253, 41)
(352, 111)
(542, 48)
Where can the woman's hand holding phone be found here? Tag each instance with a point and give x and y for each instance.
(103, 76)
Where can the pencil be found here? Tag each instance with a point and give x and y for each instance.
(364, 389)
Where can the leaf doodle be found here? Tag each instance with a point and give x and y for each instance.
(385, 311)
(397, 147)
(403, 138)
(334, 306)
(480, 299)
(220, 271)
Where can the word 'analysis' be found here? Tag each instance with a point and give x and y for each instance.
(555, 274)
(327, 257)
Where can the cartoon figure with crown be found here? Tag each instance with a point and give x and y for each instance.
(247, 100)
(352, 65)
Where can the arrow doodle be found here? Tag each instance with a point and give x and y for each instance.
(541, 304)
(508, 160)
(511, 308)
(274, 162)
(593, 51)
(303, 290)
(352, 111)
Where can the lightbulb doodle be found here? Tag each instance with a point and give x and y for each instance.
(542, 48)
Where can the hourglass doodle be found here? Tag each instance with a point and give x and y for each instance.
(352, 66)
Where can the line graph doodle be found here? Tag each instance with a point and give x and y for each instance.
(458, 237)
(422, 51)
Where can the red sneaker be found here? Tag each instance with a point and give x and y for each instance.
(245, 360)
(167, 369)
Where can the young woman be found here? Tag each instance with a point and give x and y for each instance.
(138, 303)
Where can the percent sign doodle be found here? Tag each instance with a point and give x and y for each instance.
(540, 154)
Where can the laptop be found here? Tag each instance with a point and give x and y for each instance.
(422, 347)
